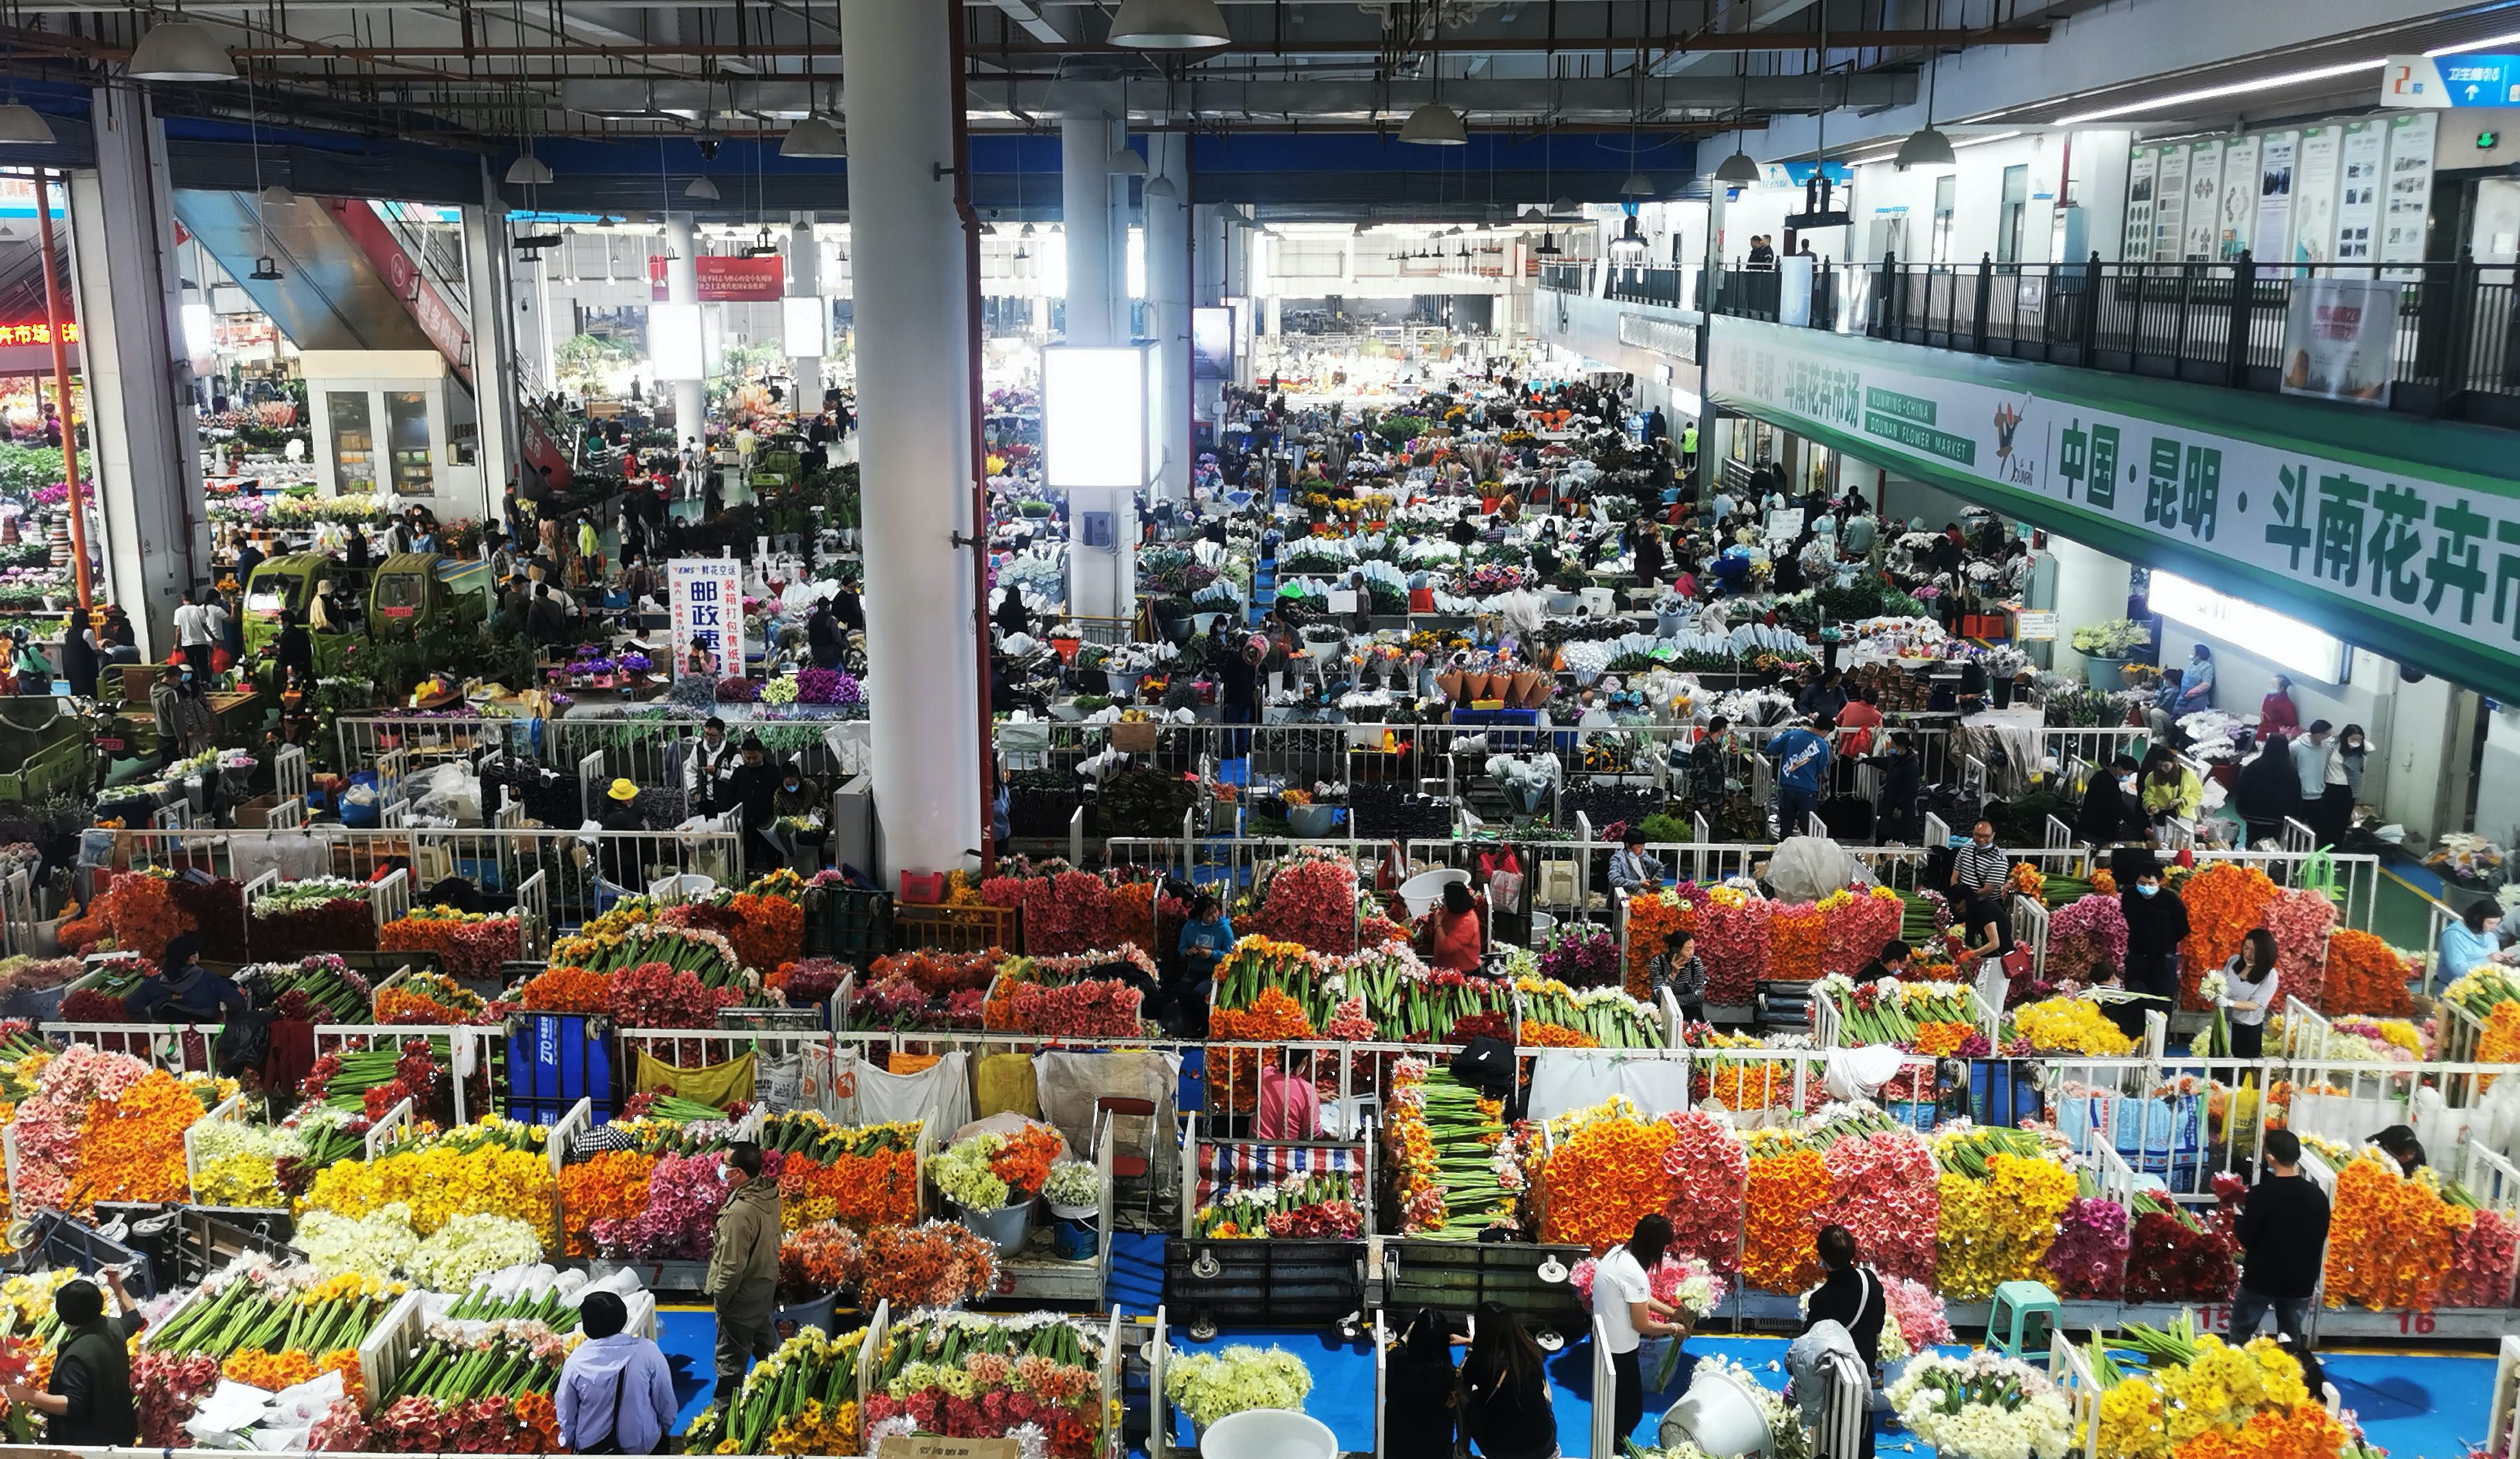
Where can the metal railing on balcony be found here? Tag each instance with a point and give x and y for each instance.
(2457, 350)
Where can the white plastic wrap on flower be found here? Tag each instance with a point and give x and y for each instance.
(1985, 1406)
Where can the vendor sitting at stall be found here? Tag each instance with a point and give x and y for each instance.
(183, 991)
(1452, 935)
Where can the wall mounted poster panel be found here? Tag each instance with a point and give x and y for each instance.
(2360, 154)
(2140, 166)
(2313, 208)
(2236, 217)
(2204, 199)
(2278, 153)
(2406, 203)
(2170, 202)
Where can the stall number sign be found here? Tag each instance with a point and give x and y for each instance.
(2035, 627)
(2440, 557)
(708, 608)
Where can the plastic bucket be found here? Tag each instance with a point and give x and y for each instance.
(1423, 891)
(2106, 676)
(1267, 1433)
(815, 1313)
(1004, 1228)
(1718, 1417)
(1311, 820)
(1074, 1237)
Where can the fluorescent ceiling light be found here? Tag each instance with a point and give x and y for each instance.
(22, 123)
(1169, 24)
(180, 51)
(813, 137)
(2465, 46)
(1434, 124)
(1982, 141)
(2211, 93)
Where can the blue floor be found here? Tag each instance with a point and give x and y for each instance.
(2415, 1407)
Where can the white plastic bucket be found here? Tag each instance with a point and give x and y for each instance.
(1542, 928)
(1718, 1417)
(1423, 891)
(1004, 1228)
(1267, 1433)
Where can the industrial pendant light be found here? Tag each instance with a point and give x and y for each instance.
(1125, 162)
(703, 189)
(1434, 124)
(267, 270)
(1161, 187)
(528, 171)
(1638, 185)
(1738, 170)
(1629, 240)
(180, 51)
(1926, 147)
(277, 197)
(813, 137)
(1548, 246)
(22, 125)
(1169, 24)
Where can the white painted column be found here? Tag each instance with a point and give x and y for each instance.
(2091, 587)
(1085, 212)
(914, 404)
(487, 292)
(805, 281)
(1168, 294)
(1276, 310)
(683, 287)
(145, 455)
(1211, 236)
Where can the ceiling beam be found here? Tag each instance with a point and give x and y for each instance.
(1770, 40)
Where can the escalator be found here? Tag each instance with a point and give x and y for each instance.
(354, 275)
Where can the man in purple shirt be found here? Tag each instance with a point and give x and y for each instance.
(617, 1395)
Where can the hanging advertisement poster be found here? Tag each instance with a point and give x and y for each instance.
(2170, 203)
(2359, 156)
(2140, 166)
(2313, 208)
(2272, 243)
(2235, 221)
(2204, 199)
(2340, 338)
(2405, 206)
(706, 609)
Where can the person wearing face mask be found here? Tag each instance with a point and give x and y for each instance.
(2353, 749)
(797, 797)
(2196, 682)
(2109, 812)
(756, 787)
(2169, 790)
(2474, 938)
(2326, 802)
(743, 1278)
(2156, 924)
(708, 769)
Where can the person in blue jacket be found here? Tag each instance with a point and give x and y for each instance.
(183, 991)
(1802, 760)
(1205, 940)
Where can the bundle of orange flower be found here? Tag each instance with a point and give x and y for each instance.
(2366, 974)
(2304, 1430)
(1135, 918)
(1653, 921)
(133, 1146)
(564, 990)
(1797, 936)
(1537, 1035)
(772, 931)
(1601, 1175)
(1790, 1184)
(2226, 903)
(611, 1187)
(1233, 1074)
(2390, 1240)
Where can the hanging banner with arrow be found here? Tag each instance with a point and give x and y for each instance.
(2444, 81)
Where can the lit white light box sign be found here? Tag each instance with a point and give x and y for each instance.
(1093, 425)
(674, 345)
(804, 324)
(2262, 633)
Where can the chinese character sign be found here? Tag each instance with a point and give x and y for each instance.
(2423, 563)
(707, 608)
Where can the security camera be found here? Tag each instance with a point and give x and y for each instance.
(708, 148)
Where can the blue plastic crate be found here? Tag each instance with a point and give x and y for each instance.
(553, 1061)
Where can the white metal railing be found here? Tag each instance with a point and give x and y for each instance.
(426, 739)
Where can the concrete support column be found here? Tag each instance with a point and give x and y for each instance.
(1210, 236)
(915, 408)
(1085, 212)
(145, 455)
(488, 291)
(805, 281)
(1168, 296)
(683, 287)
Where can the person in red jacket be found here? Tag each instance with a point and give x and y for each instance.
(1455, 933)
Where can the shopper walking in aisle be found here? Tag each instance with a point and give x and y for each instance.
(1979, 869)
(2282, 1231)
(1849, 1294)
(616, 1393)
(2250, 992)
(88, 1400)
(1419, 1417)
(2326, 802)
(1505, 1412)
(744, 1268)
(1802, 760)
(1622, 1300)
(2156, 924)
(193, 630)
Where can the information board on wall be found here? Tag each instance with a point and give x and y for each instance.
(706, 610)
(2273, 240)
(2170, 203)
(2361, 156)
(2431, 561)
(2141, 168)
(2204, 199)
(2313, 225)
(2235, 216)
(2405, 205)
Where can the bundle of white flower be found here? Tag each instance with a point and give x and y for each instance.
(1983, 1406)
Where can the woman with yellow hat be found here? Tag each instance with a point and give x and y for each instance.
(621, 860)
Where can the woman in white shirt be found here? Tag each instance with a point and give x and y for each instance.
(2250, 992)
(1623, 1299)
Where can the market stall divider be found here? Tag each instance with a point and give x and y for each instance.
(193, 1048)
(2504, 1441)
(1606, 1380)
(2079, 1386)
(430, 738)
